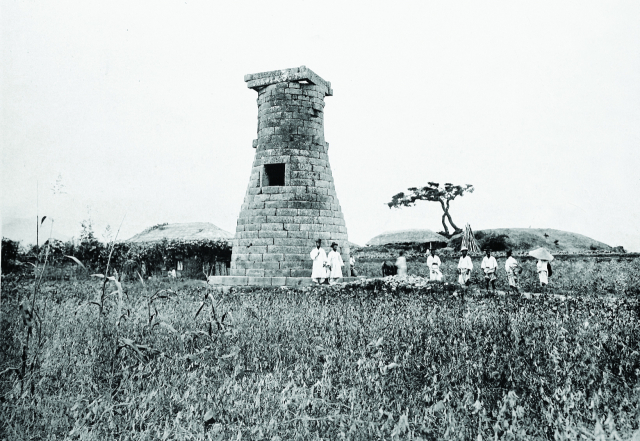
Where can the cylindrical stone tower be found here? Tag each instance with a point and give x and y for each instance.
(291, 200)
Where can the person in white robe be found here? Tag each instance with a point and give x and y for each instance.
(489, 266)
(335, 263)
(352, 265)
(511, 267)
(541, 266)
(319, 257)
(465, 266)
(433, 263)
(401, 265)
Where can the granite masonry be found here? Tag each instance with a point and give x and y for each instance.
(291, 200)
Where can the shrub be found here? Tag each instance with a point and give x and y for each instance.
(10, 251)
(455, 243)
(498, 242)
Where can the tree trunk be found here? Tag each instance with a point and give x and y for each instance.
(444, 223)
(446, 213)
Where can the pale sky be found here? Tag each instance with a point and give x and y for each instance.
(140, 110)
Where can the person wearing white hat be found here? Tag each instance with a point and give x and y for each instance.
(465, 266)
(433, 263)
(543, 267)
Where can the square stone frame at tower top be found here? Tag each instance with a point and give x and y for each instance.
(291, 200)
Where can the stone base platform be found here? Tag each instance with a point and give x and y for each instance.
(267, 281)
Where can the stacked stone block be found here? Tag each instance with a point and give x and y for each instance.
(279, 224)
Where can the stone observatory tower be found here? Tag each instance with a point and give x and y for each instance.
(291, 200)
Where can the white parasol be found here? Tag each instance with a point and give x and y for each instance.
(542, 254)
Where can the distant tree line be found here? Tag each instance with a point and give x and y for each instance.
(125, 256)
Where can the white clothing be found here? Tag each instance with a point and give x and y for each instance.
(465, 266)
(542, 271)
(510, 265)
(401, 264)
(352, 267)
(489, 264)
(464, 276)
(433, 263)
(319, 258)
(335, 262)
(433, 260)
(465, 263)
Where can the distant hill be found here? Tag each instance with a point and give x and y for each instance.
(186, 231)
(522, 239)
(407, 236)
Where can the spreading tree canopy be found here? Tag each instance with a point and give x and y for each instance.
(433, 192)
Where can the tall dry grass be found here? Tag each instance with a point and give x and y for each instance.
(376, 362)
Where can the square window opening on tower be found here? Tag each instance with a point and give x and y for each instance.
(274, 175)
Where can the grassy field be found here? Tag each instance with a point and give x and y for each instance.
(375, 360)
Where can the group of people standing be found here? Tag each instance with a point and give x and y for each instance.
(489, 267)
(326, 267)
